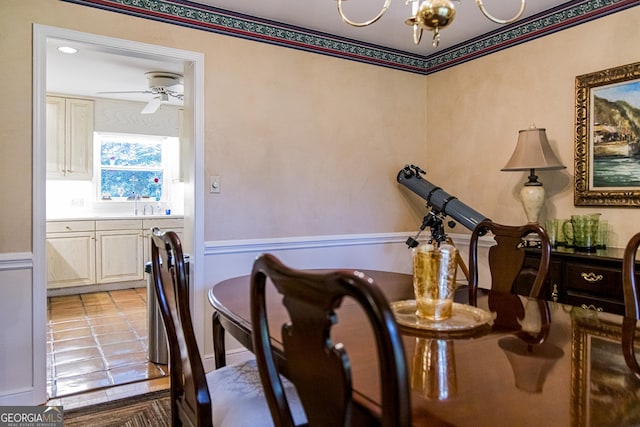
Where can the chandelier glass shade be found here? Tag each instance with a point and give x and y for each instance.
(431, 15)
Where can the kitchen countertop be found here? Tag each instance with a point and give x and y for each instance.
(108, 217)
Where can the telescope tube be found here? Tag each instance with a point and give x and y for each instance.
(436, 197)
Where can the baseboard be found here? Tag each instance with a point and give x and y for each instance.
(100, 287)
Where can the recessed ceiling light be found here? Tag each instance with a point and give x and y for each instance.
(67, 49)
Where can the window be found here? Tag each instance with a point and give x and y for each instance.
(133, 166)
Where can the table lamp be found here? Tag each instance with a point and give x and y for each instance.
(530, 363)
(532, 152)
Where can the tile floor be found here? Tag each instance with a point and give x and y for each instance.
(98, 340)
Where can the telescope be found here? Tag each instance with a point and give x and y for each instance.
(439, 202)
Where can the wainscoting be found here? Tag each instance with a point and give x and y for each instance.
(19, 311)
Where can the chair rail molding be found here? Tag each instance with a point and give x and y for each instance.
(16, 260)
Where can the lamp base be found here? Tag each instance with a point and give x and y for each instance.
(532, 195)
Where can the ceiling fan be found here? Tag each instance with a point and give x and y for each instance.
(162, 84)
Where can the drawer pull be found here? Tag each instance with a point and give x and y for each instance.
(554, 293)
(591, 307)
(591, 277)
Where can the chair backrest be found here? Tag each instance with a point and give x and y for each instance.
(631, 303)
(190, 399)
(319, 369)
(629, 287)
(506, 257)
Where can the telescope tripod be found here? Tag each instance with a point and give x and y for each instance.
(438, 236)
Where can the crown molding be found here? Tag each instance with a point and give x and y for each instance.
(219, 21)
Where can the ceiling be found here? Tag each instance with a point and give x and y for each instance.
(93, 70)
(390, 30)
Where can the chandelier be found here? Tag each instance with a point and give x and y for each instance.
(431, 15)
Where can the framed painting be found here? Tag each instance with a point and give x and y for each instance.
(607, 153)
(598, 372)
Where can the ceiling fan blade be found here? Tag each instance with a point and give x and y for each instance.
(152, 106)
(127, 91)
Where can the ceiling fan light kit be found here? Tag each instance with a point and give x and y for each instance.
(164, 80)
(432, 15)
(164, 84)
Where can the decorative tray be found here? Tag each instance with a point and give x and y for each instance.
(464, 318)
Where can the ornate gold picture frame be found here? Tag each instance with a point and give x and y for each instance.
(607, 136)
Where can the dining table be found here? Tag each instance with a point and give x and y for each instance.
(511, 360)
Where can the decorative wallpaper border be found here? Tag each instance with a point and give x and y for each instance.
(193, 15)
(559, 18)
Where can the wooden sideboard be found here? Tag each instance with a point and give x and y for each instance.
(585, 279)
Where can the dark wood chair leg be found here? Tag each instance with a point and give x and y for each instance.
(219, 350)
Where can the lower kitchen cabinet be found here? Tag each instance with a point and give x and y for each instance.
(89, 252)
(119, 251)
(71, 259)
(164, 224)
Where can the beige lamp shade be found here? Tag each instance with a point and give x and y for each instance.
(533, 152)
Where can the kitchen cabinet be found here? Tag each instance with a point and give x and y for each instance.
(590, 280)
(69, 138)
(70, 249)
(89, 252)
(164, 224)
(119, 251)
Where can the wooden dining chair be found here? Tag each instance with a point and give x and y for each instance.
(631, 303)
(319, 368)
(230, 396)
(506, 257)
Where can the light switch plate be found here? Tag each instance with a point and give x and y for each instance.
(214, 184)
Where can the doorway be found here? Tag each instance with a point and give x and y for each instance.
(191, 161)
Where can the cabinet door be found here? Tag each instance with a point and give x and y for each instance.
(79, 138)
(55, 137)
(69, 138)
(147, 241)
(119, 256)
(70, 259)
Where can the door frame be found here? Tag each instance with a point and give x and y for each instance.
(192, 164)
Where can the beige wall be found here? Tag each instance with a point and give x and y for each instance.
(475, 110)
(302, 141)
(305, 144)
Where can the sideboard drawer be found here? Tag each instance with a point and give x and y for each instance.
(585, 279)
(594, 280)
(592, 303)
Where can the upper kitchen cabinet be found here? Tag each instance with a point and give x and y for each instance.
(69, 138)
